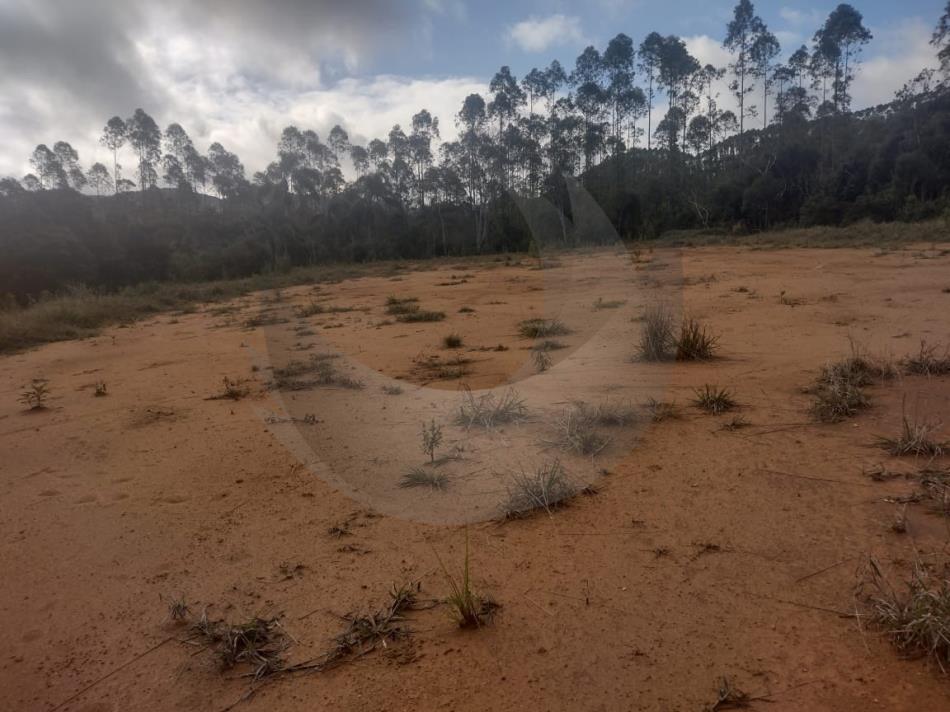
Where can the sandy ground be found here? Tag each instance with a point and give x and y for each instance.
(704, 552)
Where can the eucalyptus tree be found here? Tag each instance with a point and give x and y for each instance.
(227, 171)
(48, 168)
(338, 141)
(626, 99)
(741, 34)
(941, 40)
(425, 130)
(145, 138)
(114, 137)
(764, 50)
(98, 178)
(839, 42)
(69, 159)
(649, 55)
(359, 156)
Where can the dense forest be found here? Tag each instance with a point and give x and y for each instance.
(639, 126)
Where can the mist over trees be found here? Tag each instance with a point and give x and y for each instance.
(639, 125)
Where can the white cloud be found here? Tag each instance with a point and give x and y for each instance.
(540, 34)
(895, 56)
(812, 18)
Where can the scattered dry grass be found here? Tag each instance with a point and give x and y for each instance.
(542, 360)
(547, 488)
(233, 390)
(489, 411)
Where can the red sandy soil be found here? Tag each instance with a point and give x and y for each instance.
(704, 553)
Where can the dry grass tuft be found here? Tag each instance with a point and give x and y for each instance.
(602, 303)
(577, 431)
(542, 328)
(695, 343)
(489, 411)
(915, 439)
(657, 342)
(542, 360)
(838, 391)
(421, 477)
(469, 609)
(547, 488)
(452, 341)
(419, 315)
(318, 370)
(714, 400)
(917, 619)
(729, 697)
(548, 345)
(258, 643)
(927, 362)
(661, 410)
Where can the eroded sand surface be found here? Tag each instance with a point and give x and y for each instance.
(694, 559)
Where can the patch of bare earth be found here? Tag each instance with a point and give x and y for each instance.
(704, 552)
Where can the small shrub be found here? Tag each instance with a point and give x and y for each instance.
(452, 341)
(547, 488)
(101, 389)
(431, 439)
(488, 411)
(392, 390)
(695, 343)
(466, 310)
(601, 303)
(656, 335)
(714, 400)
(542, 328)
(35, 395)
(420, 477)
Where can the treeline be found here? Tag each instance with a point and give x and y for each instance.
(792, 154)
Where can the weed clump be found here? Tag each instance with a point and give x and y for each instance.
(695, 343)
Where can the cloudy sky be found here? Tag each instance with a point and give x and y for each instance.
(238, 71)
